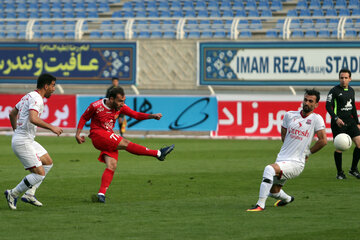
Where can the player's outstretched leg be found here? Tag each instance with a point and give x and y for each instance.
(281, 203)
(165, 151)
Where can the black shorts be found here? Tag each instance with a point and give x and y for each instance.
(350, 129)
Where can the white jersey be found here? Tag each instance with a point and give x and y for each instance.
(24, 128)
(299, 135)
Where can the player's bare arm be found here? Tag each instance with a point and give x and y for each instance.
(79, 139)
(321, 142)
(156, 116)
(340, 122)
(35, 119)
(13, 118)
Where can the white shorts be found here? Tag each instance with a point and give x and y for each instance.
(289, 169)
(29, 152)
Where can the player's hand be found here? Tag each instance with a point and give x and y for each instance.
(340, 122)
(80, 139)
(57, 130)
(156, 116)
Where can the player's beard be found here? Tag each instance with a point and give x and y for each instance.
(306, 109)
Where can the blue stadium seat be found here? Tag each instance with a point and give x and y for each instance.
(139, 6)
(225, 5)
(203, 13)
(79, 6)
(328, 4)
(95, 34)
(188, 5)
(351, 33)
(11, 35)
(238, 5)
(240, 13)
(46, 35)
(349, 23)
(243, 24)
(344, 12)
(46, 26)
(331, 13)
(217, 24)
(151, 6)
(106, 35)
(204, 24)
(355, 12)
(263, 5)
(227, 13)
(318, 13)
(144, 34)
(302, 4)
(193, 34)
(220, 34)
(177, 14)
(310, 34)
(140, 14)
(245, 34)
(255, 24)
(70, 35)
(297, 34)
(93, 14)
(292, 13)
(200, 5)
(127, 6)
(128, 14)
(324, 33)
(251, 5)
(103, 7)
(81, 14)
(169, 34)
(206, 34)
(357, 23)
(253, 13)
(106, 25)
(10, 14)
(340, 4)
(119, 35)
(280, 23)
(156, 34)
(190, 13)
(91, 6)
(334, 34)
(354, 4)
(304, 13)
(213, 5)
(295, 24)
(276, 5)
(69, 14)
(333, 23)
(271, 33)
(321, 23)
(59, 35)
(215, 13)
(164, 14)
(175, 5)
(314, 4)
(153, 14)
(163, 5)
(266, 13)
(307, 23)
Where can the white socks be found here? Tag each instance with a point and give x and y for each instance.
(266, 184)
(28, 182)
(281, 195)
(32, 190)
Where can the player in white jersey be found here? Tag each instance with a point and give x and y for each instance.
(25, 118)
(297, 132)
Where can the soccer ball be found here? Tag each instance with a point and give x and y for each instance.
(342, 142)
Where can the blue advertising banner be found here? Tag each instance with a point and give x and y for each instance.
(184, 113)
(276, 63)
(70, 63)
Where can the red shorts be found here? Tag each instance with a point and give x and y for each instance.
(106, 142)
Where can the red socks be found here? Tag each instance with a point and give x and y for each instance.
(106, 180)
(140, 150)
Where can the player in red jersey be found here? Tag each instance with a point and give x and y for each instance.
(103, 114)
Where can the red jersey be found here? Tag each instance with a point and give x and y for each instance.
(102, 117)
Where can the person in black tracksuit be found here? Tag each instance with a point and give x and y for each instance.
(340, 104)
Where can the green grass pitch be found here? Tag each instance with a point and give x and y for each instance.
(201, 191)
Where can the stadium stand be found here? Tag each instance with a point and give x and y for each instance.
(156, 19)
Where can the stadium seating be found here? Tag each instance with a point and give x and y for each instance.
(216, 19)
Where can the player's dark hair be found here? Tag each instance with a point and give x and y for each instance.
(313, 92)
(115, 91)
(114, 78)
(44, 79)
(345, 70)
